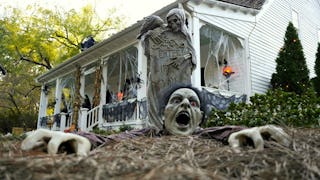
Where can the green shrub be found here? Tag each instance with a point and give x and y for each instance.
(316, 80)
(292, 74)
(125, 127)
(96, 130)
(275, 107)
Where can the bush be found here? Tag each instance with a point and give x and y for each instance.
(292, 74)
(275, 107)
(316, 80)
(10, 120)
(125, 127)
(96, 130)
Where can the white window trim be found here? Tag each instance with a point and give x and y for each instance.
(295, 18)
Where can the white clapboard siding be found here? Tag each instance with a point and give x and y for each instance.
(265, 42)
(268, 37)
(309, 13)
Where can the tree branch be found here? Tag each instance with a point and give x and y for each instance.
(13, 102)
(31, 61)
(67, 39)
(34, 87)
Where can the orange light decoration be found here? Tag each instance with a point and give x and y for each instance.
(227, 71)
(120, 96)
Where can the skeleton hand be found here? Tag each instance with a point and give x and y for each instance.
(55, 140)
(257, 135)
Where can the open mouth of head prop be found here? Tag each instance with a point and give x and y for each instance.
(183, 119)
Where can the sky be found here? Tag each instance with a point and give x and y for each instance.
(134, 10)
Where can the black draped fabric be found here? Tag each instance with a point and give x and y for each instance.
(57, 119)
(119, 111)
(221, 102)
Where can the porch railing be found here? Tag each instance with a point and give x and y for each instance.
(124, 112)
(58, 122)
(90, 118)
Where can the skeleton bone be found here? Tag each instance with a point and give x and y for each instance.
(80, 145)
(276, 134)
(257, 134)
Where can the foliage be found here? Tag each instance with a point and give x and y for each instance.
(125, 127)
(122, 128)
(316, 80)
(275, 107)
(96, 130)
(46, 38)
(36, 39)
(292, 74)
(24, 120)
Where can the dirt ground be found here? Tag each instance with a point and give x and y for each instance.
(169, 157)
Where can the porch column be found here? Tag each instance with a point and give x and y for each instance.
(196, 75)
(43, 106)
(142, 70)
(82, 83)
(104, 72)
(83, 119)
(58, 94)
(63, 121)
(82, 95)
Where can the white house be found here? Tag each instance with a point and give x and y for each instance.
(248, 34)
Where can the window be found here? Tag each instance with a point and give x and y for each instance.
(67, 93)
(122, 74)
(51, 95)
(220, 49)
(295, 19)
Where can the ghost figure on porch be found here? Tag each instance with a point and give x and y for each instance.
(183, 111)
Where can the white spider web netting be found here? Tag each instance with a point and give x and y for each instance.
(218, 47)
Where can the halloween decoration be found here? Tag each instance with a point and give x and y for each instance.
(171, 55)
(183, 113)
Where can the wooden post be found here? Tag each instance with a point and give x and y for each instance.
(83, 120)
(77, 101)
(97, 87)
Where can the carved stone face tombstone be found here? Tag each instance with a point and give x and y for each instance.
(171, 58)
(182, 114)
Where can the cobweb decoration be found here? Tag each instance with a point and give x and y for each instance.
(223, 46)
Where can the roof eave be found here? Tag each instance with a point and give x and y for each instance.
(225, 5)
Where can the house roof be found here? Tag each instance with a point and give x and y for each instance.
(127, 36)
(254, 4)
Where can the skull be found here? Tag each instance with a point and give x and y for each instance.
(182, 114)
(174, 23)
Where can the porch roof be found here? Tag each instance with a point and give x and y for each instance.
(128, 36)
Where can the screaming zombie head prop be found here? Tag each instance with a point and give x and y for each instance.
(183, 112)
